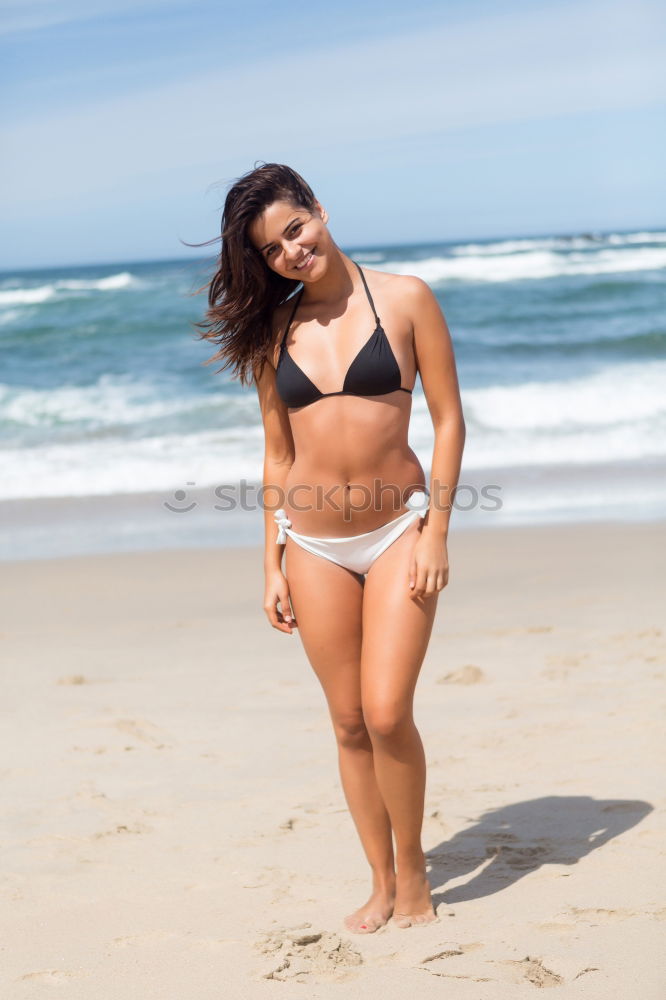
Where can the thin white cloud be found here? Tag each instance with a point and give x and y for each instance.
(39, 16)
(507, 67)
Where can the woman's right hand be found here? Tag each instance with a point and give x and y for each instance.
(277, 590)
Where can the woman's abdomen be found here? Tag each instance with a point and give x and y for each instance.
(350, 476)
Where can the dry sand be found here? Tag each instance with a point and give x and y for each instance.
(174, 824)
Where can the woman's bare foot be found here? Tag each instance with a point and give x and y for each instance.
(413, 903)
(373, 914)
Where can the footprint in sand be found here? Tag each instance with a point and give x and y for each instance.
(520, 858)
(599, 915)
(532, 970)
(556, 927)
(455, 961)
(73, 679)
(449, 962)
(469, 674)
(144, 731)
(437, 819)
(122, 828)
(451, 949)
(51, 976)
(304, 955)
(294, 821)
(560, 665)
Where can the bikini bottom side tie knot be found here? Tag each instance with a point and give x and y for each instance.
(283, 523)
(357, 552)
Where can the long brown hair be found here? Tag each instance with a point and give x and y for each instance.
(243, 293)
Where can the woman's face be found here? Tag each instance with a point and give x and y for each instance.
(288, 236)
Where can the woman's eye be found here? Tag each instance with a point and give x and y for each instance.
(293, 231)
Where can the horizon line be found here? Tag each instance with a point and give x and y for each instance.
(357, 247)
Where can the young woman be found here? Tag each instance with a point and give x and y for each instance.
(364, 540)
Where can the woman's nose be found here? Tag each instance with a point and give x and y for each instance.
(292, 251)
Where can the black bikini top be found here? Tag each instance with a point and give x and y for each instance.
(373, 372)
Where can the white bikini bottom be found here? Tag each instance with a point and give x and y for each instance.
(356, 552)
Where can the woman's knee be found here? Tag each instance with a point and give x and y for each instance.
(350, 729)
(386, 720)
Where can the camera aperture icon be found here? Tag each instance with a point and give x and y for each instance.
(179, 497)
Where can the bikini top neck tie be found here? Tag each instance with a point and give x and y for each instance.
(282, 521)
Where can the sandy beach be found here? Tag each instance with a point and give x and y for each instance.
(174, 824)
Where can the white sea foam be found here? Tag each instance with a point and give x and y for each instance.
(615, 395)
(618, 413)
(110, 284)
(530, 265)
(113, 401)
(582, 241)
(501, 247)
(615, 414)
(164, 462)
(26, 296)
(41, 293)
(640, 237)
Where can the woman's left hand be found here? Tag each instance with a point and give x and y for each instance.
(429, 565)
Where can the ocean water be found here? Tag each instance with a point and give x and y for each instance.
(560, 344)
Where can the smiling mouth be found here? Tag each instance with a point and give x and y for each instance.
(300, 266)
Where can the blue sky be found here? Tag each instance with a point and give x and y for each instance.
(124, 122)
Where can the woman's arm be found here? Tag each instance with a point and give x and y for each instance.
(436, 365)
(275, 475)
(279, 455)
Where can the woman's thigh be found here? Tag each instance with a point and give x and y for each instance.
(327, 600)
(396, 631)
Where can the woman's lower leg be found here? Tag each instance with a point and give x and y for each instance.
(374, 828)
(366, 805)
(400, 771)
(400, 768)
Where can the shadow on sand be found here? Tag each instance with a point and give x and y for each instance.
(520, 838)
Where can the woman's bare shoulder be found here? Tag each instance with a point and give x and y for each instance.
(394, 284)
(402, 293)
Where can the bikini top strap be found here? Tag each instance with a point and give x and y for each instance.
(368, 294)
(297, 299)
